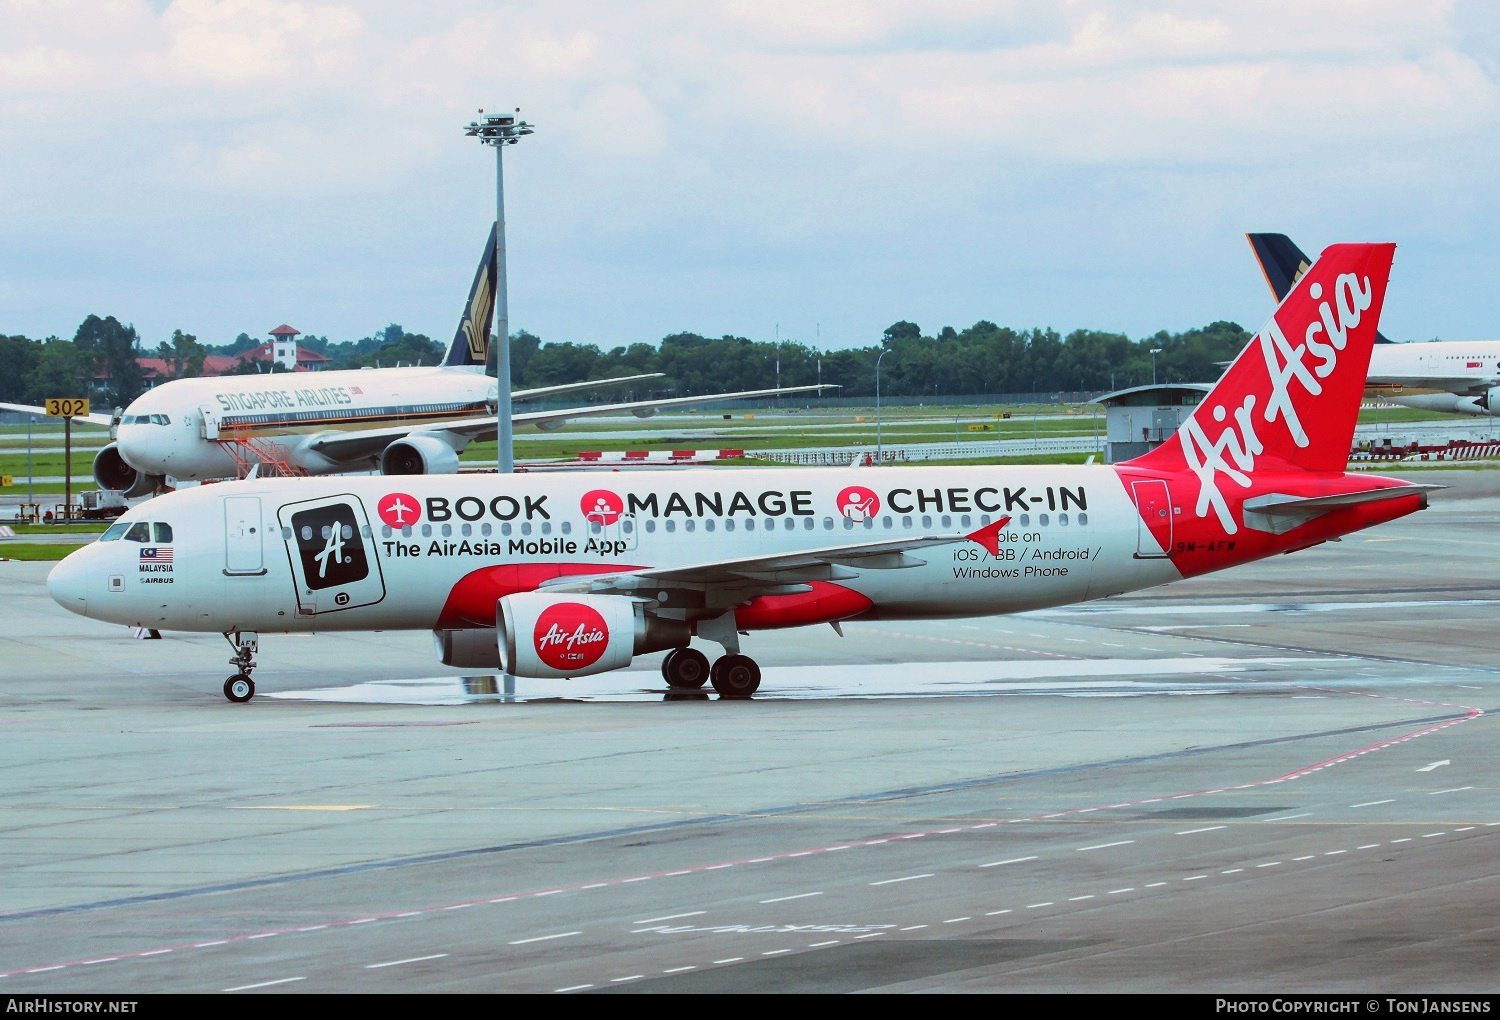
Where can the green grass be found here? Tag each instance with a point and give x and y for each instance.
(36, 551)
(45, 463)
(84, 529)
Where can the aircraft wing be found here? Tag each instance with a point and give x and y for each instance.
(747, 576)
(552, 391)
(349, 446)
(92, 419)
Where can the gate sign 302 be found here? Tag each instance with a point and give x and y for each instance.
(67, 407)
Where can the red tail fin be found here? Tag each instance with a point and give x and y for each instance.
(1291, 398)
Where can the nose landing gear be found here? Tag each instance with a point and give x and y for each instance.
(240, 688)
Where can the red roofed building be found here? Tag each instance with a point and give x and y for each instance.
(282, 349)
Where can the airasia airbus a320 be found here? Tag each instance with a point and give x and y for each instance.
(569, 575)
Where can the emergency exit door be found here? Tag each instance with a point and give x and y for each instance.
(1153, 503)
(243, 552)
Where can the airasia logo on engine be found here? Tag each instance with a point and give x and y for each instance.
(570, 636)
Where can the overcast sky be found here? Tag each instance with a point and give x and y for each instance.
(813, 169)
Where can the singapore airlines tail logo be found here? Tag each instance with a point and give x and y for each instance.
(477, 322)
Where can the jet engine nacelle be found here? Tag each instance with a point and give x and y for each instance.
(419, 455)
(1486, 404)
(111, 471)
(550, 636)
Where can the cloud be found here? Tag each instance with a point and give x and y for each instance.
(811, 146)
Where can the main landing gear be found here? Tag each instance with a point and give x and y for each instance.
(733, 676)
(240, 688)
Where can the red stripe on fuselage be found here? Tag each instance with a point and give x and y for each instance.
(825, 603)
(471, 603)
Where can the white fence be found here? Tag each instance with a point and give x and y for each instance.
(843, 456)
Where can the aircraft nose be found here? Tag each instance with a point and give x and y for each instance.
(68, 584)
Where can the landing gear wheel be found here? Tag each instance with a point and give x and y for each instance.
(239, 688)
(735, 676)
(685, 668)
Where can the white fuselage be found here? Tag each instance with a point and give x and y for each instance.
(432, 552)
(1443, 375)
(187, 428)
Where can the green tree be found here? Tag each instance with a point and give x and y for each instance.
(110, 349)
(19, 355)
(60, 370)
(183, 354)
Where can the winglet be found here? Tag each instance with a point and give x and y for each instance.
(471, 341)
(989, 536)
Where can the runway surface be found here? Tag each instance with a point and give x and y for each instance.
(1276, 779)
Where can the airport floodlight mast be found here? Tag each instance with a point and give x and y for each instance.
(500, 130)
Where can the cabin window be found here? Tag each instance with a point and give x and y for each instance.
(567, 527)
(526, 528)
(926, 522)
(1041, 520)
(848, 523)
(426, 531)
(750, 524)
(286, 534)
(807, 524)
(963, 522)
(1062, 520)
(505, 528)
(546, 527)
(650, 527)
(708, 525)
(447, 531)
(729, 524)
(595, 527)
(906, 523)
(670, 526)
(687, 525)
(1083, 520)
(947, 521)
(886, 522)
(1024, 521)
(828, 524)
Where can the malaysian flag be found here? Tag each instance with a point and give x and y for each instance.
(159, 554)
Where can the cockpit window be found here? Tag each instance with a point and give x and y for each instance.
(146, 419)
(115, 531)
(163, 533)
(140, 531)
